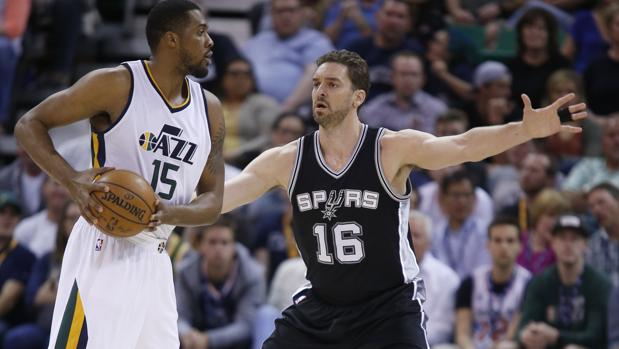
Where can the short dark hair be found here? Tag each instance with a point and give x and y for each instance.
(224, 221)
(165, 16)
(609, 187)
(456, 177)
(504, 220)
(288, 114)
(454, 115)
(405, 54)
(356, 66)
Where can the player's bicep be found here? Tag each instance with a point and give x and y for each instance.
(212, 177)
(100, 91)
(426, 151)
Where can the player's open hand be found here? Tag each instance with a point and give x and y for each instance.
(81, 185)
(544, 122)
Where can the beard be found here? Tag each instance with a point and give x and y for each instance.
(197, 70)
(330, 119)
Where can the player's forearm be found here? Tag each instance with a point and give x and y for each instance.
(482, 142)
(205, 209)
(34, 138)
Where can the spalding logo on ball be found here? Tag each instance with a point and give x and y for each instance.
(127, 206)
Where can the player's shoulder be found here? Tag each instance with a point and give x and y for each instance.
(105, 84)
(212, 100)
(397, 139)
(114, 76)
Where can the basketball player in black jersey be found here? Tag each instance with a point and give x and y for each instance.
(349, 189)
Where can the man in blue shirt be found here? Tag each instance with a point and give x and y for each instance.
(283, 58)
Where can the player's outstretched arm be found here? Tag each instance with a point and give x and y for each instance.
(271, 169)
(206, 207)
(427, 151)
(101, 92)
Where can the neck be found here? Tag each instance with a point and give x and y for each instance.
(168, 77)
(455, 224)
(403, 101)
(569, 273)
(340, 141)
(233, 100)
(32, 170)
(613, 52)
(613, 230)
(4, 243)
(535, 57)
(53, 215)
(384, 42)
(501, 275)
(537, 242)
(214, 274)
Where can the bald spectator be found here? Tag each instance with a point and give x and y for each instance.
(491, 104)
(441, 282)
(283, 58)
(603, 251)
(394, 23)
(407, 106)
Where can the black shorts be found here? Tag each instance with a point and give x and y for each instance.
(394, 320)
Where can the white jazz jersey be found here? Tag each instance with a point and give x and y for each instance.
(119, 292)
(168, 145)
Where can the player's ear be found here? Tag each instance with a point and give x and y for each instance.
(171, 39)
(358, 98)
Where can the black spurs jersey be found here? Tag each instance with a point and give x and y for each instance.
(351, 227)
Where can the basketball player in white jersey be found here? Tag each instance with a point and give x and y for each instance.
(349, 189)
(147, 117)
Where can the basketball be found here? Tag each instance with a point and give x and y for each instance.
(127, 206)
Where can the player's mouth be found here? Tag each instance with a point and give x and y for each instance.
(209, 57)
(321, 106)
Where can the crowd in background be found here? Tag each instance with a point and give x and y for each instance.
(519, 250)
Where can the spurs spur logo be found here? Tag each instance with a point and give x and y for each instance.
(333, 204)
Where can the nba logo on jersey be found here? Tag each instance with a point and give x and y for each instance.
(99, 245)
(161, 247)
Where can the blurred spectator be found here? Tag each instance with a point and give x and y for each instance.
(62, 42)
(448, 74)
(537, 173)
(289, 279)
(566, 304)
(491, 104)
(283, 58)
(459, 240)
(603, 251)
(287, 127)
(38, 232)
(430, 198)
(538, 55)
(40, 293)
(613, 320)
(488, 301)
(407, 106)
(247, 113)
(16, 265)
(440, 281)
(25, 180)
(594, 170)
(394, 22)
(537, 253)
(348, 20)
(226, 52)
(13, 21)
(601, 74)
(274, 241)
(218, 291)
(587, 39)
(571, 146)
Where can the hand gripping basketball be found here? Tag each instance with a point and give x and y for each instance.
(127, 206)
